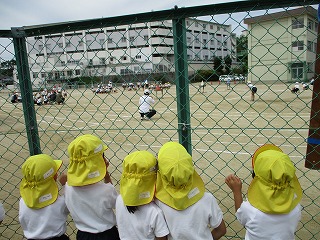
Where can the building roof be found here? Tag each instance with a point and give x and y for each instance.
(284, 14)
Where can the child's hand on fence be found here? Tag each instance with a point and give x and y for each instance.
(234, 183)
(63, 179)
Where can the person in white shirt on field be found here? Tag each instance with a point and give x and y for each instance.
(145, 106)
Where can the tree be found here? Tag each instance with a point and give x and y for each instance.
(6, 68)
(242, 53)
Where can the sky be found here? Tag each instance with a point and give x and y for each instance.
(18, 13)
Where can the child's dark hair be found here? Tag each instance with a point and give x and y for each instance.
(132, 209)
(253, 174)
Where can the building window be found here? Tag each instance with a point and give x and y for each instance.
(43, 75)
(131, 39)
(310, 46)
(310, 67)
(297, 46)
(138, 57)
(297, 70)
(109, 40)
(189, 39)
(35, 75)
(124, 58)
(297, 23)
(40, 47)
(123, 39)
(310, 24)
(77, 72)
(69, 73)
(145, 38)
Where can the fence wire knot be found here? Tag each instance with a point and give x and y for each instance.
(184, 126)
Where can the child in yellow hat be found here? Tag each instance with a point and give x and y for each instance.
(189, 210)
(90, 195)
(273, 208)
(42, 212)
(138, 217)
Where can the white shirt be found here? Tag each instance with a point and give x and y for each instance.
(145, 224)
(145, 103)
(43, 223)
(91, 206)
(263, 226)
(194, 222)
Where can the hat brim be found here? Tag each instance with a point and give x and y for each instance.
(262, 149)
(137, 191)
(182, 198)
(79, 171)
(267, 200)
(42, 195)
(58, 164)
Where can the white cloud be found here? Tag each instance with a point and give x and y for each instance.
(17, 13)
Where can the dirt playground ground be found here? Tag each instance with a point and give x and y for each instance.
(226, 128)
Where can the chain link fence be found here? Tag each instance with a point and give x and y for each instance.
(198, 63)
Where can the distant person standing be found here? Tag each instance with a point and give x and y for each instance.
(145, 106)
(253, 90)
(146, 84)
(228, 82)
(202, 85)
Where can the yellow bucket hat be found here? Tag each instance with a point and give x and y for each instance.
(38, 187)
(178, 184)
(138, 179)
(87, 165)
(275, 188)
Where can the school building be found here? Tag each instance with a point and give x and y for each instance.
(129, 49)
(282, 46)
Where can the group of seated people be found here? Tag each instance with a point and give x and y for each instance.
(104, 89)
(55, 96)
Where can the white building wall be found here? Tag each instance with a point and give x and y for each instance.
(138, 48)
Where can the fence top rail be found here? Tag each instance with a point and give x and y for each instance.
(174, 13)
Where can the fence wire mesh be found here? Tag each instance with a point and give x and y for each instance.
(102, 66)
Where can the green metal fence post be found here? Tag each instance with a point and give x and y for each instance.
(21, 54)
(182, 82)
